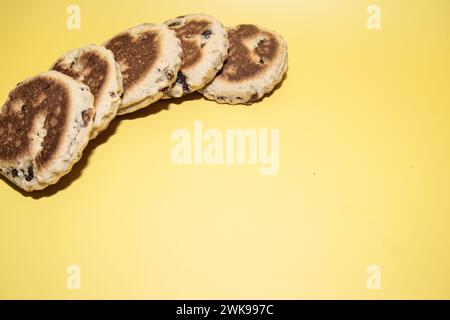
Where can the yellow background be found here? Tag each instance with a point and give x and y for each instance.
(364, 165)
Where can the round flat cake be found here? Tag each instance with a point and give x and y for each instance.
(96, 67)
(257, 61)
(204, 42)
(150, 57)
(45, 124)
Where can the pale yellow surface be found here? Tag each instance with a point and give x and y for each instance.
(364, 165)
